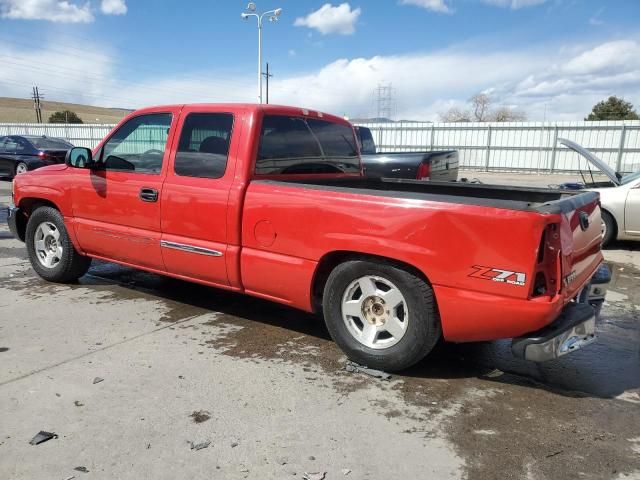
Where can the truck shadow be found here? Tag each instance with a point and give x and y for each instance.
(605, 369)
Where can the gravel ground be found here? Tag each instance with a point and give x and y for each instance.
(261, 392)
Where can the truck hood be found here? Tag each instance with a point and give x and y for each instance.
(614, 176)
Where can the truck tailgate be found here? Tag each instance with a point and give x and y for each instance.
(580, 238)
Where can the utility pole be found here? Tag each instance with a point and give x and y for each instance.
(36, 96)
(266, 76)
(273, 16)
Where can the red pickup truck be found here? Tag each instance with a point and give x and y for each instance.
(270, 201)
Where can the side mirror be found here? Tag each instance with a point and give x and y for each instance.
(79, 157)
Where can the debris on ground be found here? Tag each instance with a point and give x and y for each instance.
(282, 460)
(78, 403)
(98, 380)
(311, 457)
(234, 444)
(353, 367)
(82, 469)
(70, 477)
(200, 416)
(345, 471)
(314, 476)
(555, 453)
(42, 437)
(495, 373)
(199, 446)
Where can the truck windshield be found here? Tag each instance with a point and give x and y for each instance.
(290, 145)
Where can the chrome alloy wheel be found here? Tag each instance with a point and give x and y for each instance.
(21, 168)
(47, 245)
(375, 312)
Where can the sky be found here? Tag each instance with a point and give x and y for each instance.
(550, 59)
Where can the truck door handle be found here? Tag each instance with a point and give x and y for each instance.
(148, 195)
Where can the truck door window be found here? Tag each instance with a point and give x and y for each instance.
(204, 145)
(290, 145)
(138, 145)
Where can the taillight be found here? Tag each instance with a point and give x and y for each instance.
(546, 280)
(424, 171)
(44, 156)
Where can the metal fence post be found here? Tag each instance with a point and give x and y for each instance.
(553, 148)
(488, 152)
(432, 136)
(623, 134)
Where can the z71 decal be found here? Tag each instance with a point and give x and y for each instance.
(499, 275)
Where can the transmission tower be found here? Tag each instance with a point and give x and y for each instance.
(385, 99)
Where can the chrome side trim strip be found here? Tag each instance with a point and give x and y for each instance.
(190, 248)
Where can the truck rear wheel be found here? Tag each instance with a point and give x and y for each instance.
(51, 253)
(380, 315)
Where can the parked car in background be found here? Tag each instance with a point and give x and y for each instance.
(270, 201)
(21, 153)
(619, 197)
(436, 165)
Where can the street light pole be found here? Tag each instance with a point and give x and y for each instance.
(272, 15)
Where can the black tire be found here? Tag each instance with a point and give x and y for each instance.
(609, 227)
(423, 328)
(71, 264)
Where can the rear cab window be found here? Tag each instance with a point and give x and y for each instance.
(302, 145)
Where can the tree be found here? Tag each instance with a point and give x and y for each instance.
(481, 111)
(480, 104)
(455, 115)
(66, 116)
(613, 108)
(507, 114)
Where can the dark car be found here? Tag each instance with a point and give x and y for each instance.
(439, 165)
(21, 153)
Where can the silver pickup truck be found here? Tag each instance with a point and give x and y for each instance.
(439, 166)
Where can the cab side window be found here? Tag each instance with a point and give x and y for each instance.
(138, 145)
(204, 145)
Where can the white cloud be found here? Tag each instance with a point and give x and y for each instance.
(514, 4)
(610, 57)
(328, 19)
(52, 10)
(113, 7)
(439, 6)
(552, 81)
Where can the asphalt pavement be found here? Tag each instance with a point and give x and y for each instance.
(142, 376)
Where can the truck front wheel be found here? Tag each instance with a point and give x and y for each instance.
(50, 250)
(380, 315)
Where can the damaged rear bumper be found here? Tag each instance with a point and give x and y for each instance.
(573, 329)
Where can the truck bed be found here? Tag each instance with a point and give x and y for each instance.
(541, 200)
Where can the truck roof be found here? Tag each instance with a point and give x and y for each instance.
(253, 107)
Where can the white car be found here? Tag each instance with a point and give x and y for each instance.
(620, 199)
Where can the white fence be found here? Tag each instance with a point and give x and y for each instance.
(528, 146)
